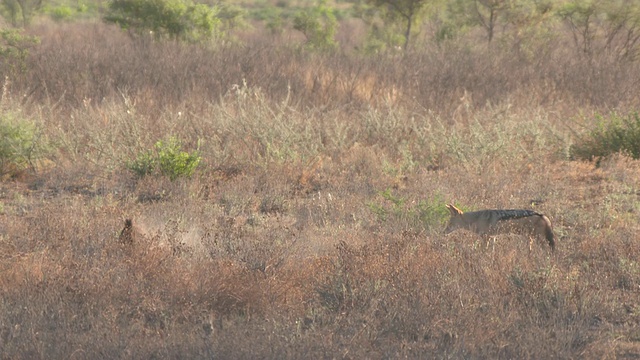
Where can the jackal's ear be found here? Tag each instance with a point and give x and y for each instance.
(454, 210)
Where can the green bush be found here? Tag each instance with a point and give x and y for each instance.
(175, 19)
(18, 146)
(603, 27)
(616, 134)
(14, 49)
(167, 158)
(62, 13)
(231, 17)
(428, 214)
(319, 25)
(143, 165)
(173, 161)
(20, 12)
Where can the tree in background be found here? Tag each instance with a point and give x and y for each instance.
(483, 13)
(527, 25)
(530, 27)
(231, 17)
(319, 25)
(175, 19)
(14, 49)
(406, 12)
(486, 13)
(608, 25)
(20, 12)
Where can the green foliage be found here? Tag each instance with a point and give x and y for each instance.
(231, 16)
(144, 164)
(319, 25)
(173, 161)
(64, 12)
(276, 20)
(175, 19)
(532, 27)
(403, 13)
(433, 212)
(384, 33)
(61, 13)
(14, 49)
(20, 12)
(486, 14)
(608, 25)
(381, 38)
(167, 158)
(446, 31)
(580, 17)
(617, 134)
(275, 24)
(19, 146)
(82, 8)
(526, 26)
(430, 213)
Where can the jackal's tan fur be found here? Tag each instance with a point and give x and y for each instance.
(493, 222)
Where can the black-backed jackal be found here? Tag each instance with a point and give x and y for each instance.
(492, 222)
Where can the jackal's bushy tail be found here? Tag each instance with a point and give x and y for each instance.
(548, 233)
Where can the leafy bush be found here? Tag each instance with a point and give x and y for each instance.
(231, 17)
(174, 162)
(176, 19)
(20, 12)
(381, 38)
(14, 49)
(143, 165)
(318, 25)
(429, 214)
(18, 146)
(606, 26)
(403, 14)
(61, 13)
(167, 158)
(617, 134)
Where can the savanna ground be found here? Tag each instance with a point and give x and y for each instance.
(312, 227)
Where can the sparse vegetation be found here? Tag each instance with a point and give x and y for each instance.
(20, 12)
(14, 49)
(418, 215)
(175, 162)
(319, 25)
(613, 134)
(20, 145)
(168, 158)
(294, 206)
(406, 13)
(174, 19)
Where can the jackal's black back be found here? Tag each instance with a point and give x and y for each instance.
(512, 214)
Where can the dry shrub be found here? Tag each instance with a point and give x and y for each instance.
(363, 290)
(275, 248)
(157, 75)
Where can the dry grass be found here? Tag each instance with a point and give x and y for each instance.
(313, 226)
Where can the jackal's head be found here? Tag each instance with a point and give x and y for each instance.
(456, 221)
